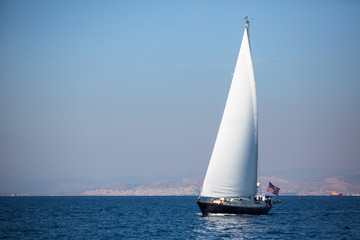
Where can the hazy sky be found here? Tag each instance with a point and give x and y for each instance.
(105, 89)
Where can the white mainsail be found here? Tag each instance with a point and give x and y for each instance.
(232, 170)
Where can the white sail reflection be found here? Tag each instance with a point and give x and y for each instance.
(216, 226)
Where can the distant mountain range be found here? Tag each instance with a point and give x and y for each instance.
(310, 182)
(161, 188)
(315, 187)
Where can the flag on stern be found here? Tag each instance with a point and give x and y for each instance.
(273, 189)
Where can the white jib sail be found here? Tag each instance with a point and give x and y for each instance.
(232, 170)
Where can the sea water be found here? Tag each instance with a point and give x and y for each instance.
(174, 218)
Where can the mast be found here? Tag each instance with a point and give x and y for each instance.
(247, 26)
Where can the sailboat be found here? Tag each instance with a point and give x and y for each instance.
(230, 184)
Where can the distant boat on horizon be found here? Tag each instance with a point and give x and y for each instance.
(231, 184)
(334, 193)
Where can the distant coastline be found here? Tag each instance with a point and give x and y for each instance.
(349, 186)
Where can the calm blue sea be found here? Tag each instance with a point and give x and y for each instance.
(174, 218)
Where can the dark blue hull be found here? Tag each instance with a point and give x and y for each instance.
(207, 207)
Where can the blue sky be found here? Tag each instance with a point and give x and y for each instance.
(107, 89)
